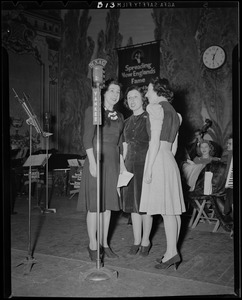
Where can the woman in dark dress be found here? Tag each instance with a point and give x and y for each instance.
(110, 142)
(135, 145)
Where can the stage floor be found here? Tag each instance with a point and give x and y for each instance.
(61, 262)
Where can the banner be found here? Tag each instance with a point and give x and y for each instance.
(137, 65)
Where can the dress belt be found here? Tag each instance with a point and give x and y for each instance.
(165, 145)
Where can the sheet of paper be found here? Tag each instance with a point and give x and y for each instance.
(73, 162)
(208, 183)
(124, 178)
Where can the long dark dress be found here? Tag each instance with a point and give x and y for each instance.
(110, 145)
(136, 136)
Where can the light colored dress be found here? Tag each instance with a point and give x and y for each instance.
(164, 194)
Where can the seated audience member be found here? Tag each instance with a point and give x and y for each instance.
(205, 153)
(192, 168)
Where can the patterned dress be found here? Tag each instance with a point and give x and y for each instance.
(110, 149)
(136, 136)
(164, 194)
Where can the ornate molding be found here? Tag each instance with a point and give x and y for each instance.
(22, 30)
(18, 35)
(53, 59)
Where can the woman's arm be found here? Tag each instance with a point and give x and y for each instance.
(89, 132)
(154, 145)
(156, 116)
(122, 157)
(175, 143)
(125, 149)
(92, 162)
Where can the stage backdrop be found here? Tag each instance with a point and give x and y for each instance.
(137, 64)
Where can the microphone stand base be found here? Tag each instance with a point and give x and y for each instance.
(101, 274)
(28, 263)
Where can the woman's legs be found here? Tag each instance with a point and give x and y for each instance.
(137, 227)
(105, 221)
(178, 220)
(92, 229)
(147, 221)
(172, 229)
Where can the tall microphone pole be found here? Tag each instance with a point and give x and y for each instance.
(99, 273)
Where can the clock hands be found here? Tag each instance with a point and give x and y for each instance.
(214, 57)
(214, 54)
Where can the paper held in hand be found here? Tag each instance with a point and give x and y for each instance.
(124, 178)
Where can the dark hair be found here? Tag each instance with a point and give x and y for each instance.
(106, 85)
(212, 149)
(230, 136)
(140, 89)
(162, 87)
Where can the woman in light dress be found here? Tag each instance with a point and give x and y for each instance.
(162, 189)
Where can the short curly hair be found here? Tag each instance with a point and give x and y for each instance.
(106, 85)
(141, 90)
(162, 87)
(212, 149)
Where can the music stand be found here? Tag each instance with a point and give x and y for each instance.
(31, 121)
(36, 161)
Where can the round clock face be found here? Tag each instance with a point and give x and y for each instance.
(214, 57)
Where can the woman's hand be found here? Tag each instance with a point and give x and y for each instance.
(190, 162)
(93, 169)
(122, 165)
(148, 175)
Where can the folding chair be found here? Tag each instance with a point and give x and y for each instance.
(203, 210)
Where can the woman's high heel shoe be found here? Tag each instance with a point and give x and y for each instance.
(92, 254)
(175, 260)
(159, 260)
(144, 250)
(108, 252)
(134, 249)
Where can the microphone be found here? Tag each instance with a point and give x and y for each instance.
(97, 73)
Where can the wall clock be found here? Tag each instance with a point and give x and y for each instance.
(214, 57)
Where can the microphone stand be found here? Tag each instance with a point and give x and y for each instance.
(29, 261)
(99, 273)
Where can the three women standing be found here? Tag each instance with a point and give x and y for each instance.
(156, 186)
